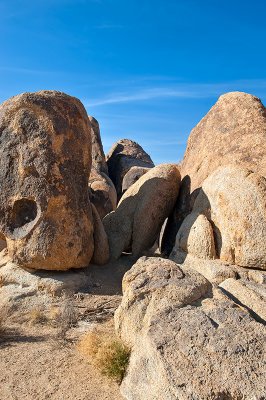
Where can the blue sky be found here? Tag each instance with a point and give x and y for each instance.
(147, 70)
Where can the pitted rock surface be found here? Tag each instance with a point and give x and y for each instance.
(152, 284)
(188, 341)
(45, 212)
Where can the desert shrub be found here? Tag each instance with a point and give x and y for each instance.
(4, 312)
(66, 317)
(36, 316)
(102, 348)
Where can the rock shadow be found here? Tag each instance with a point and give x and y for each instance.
(183, 207)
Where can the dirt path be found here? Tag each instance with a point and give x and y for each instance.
(36, 365)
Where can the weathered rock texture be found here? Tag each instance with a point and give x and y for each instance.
(142, 210)
(195, 236)
(45, 212)
(124, 155)
(98, 157)
(233, 200)
(102, 190)
(216, 271)
(186, 345)
(2, 244)
(102, 193)
(233, 131)
(133, 176)
(151, 285)
(101, 246)
(250, 295)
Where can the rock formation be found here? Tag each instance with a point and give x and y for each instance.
(102, 190)
(233, 200)
(45, 212)
(233, 132)
(98, 157)
(101, 246)
(188, 341)
(195, 322)
(124, 155)
(102, 193)
(142, 210)
(132, 176)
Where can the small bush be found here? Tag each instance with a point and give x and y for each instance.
(66, 317)
(4, 312)
(113, 360)
(36, 316)
(106, 352)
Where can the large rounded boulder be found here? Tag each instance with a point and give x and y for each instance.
(140, 214)
(124, 155)
(234, 200)
(233, 132)
(45, 212)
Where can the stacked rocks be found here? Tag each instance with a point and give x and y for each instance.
(122, 157)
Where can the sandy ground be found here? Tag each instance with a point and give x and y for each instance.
(36, 365)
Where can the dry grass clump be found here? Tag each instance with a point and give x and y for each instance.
(4, 312)
(66, 317)
(36, 316)
(101, 347)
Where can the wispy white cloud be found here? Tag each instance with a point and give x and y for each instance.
(146, 94)
(182, 90)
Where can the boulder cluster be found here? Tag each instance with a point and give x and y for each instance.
(193, 306)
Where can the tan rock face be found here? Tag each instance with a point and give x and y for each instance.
(124, 155)
(142, 210)
(101, 188)
(45, 213)
(233, 199)
(188, 341)
(195, 236)
(233, 132)
(151, 285)
(102, 193)
(98, 157)
(247, 295)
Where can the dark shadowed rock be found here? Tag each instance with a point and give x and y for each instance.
(101, 246)
(101, 188)
(140, 214)
(124, 155)
(133, 176)
(233, 132)
(45, 212)
(102, 193)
